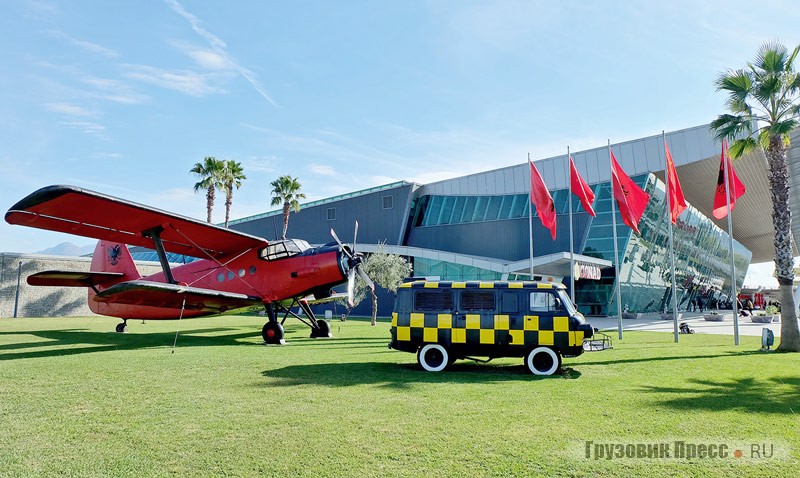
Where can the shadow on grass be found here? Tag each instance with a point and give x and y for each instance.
(777, 395)
(56, 343)
(80, 341)
(395, 375)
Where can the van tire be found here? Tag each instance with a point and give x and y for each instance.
(433, 357)
(543, 361)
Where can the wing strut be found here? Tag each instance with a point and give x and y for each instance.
(155, 235)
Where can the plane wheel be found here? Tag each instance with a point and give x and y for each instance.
(323, 330)
(122, 328)
(543, 361)
(433, 357)
(272, 333)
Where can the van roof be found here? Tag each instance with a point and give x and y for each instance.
(476, 284)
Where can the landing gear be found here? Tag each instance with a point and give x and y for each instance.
(323, 330)
(273, 333)
(273, 330)
(123, 327)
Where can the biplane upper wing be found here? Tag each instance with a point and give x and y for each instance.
(88, 213)
(172, 296)
(71, 278)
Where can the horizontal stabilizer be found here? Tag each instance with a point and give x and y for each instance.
(172, 296)
(72, 278)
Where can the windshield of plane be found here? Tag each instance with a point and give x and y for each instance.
(285, 248)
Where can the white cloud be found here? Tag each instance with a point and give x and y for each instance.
(86, 45)
(322, 170)
(68, 109)
(185, 81)
(209, 59)
(220, 48)
(87, 127)
(114, 90)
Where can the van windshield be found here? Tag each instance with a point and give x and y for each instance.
(567, 303)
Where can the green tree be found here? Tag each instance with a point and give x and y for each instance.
(386, 270)
(763, 105)
(210, 173)
(285, 190)
(232, 176)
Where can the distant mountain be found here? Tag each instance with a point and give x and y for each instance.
(68, 249)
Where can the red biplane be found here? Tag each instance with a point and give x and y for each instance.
(235, 272)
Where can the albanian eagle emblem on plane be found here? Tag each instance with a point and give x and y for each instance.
(113, 254)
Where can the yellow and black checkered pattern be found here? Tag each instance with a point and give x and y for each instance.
(484, 329)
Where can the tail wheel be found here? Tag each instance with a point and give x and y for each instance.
(323, 330)
(122, 328)
(272, 333)
(543, 361)
(433, 357)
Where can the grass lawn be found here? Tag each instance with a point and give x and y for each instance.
(77, 399)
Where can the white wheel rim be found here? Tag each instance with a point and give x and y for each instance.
(545, 350)
(423, 352)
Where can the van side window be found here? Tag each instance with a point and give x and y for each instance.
(433, 300)
(542, 301)
(477, 300)
(509, 303)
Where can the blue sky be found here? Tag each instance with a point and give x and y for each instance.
(124, 97)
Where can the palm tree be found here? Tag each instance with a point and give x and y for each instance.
(232, 176)
(764, 95)
(285, 191)
(209, 172)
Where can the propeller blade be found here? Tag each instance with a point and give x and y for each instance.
(351, 285)
(355, 235)
(363, 275)
(341, 246)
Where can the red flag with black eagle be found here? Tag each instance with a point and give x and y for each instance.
(677, 203)
(580, 188)
(631, 199)
(541, 198)
(735, 186)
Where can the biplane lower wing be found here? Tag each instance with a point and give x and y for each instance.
(175, 296)
(72, 278)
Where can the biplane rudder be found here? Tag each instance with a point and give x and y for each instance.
(114, 257)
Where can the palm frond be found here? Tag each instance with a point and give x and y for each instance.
(736, 82)
(732, 126)
(782, 128)
(771, 57)
(739, 147)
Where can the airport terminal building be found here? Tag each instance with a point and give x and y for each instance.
(476, 226)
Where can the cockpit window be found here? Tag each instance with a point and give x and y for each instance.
(285, 248)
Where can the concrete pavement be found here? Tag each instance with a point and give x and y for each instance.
(654, 323)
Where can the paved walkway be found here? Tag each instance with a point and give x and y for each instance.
(654, 323)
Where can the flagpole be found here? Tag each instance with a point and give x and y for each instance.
(616, 252)
(671, 247)
(730, 242)
(530, 213)
(571, 239)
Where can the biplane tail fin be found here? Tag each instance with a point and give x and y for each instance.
(114, 257)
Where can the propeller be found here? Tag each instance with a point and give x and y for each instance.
(355, 262)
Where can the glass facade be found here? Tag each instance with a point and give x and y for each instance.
(440, 210)
(449, 271)
(702, 261)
